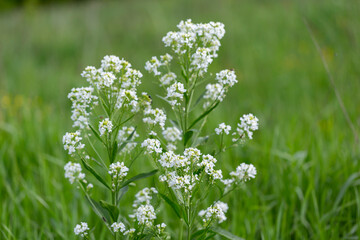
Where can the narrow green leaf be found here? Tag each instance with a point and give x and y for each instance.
(187, 136)
(172, 204)
(204, 115)
(96, 175)
(138, 177)
(95, 133)
(199, 99)
(201, 140)
(114, 152)
(126, 142)
(98, 209)
(175, 123)
(198, 233)
(224, 233)
(105, 106)
(122, 192)
(211, 236)
(112, 210)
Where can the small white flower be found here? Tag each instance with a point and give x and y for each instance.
(144, 196)
(214, 92)
(111, 63)
(145, 214)
(130, 232)
(167, 79)
(244, 172)
(160, 228)
(223, 128)
(166, 59)
(118, 172)
(175, 93)
(201, 60)
(127, 99)
(248, 124)
(73, 172)
(172, 134)
(118, 227)
(81, 229)
(82, 101)
(72, 142)
(153, 65)
(154, 116)
(152, 145)
(226, 78)
(215, 212)
(105, 126)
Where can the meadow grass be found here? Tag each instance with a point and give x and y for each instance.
(308, 162)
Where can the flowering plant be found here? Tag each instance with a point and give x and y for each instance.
(186, 167)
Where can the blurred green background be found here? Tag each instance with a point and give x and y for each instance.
(307, 160)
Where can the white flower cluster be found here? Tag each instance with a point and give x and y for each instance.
(72, 142)
(82, 100)
(223, 128)
(160, 228)
(123, 136)
(145, 214)
(172, 134)
(201, 60)
(167, 79)
(73, 172)
(208, 162)
(217, 91)
(118, 172)
(154, 64)
(144, 196)
(152, 145)
(154, 116)
(248, 124)
(175, 93)
(81, 229)
(215, 212)
(226, 78)
(243, 173)
(177, 169)
(105, 126)
(127, 99)
(113, 75)
(193, 36)
(118, 227)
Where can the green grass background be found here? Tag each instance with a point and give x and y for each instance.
(308, 162)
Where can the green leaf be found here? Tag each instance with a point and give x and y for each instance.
(114, 151)
(198, 233)
(211, 236)
(204, 115)
(199, 99)
(95, 133)
(112, 210)
(187, 136)
(224, 233)
(138, 177)
(172, 204)
(105, 106)
(126, 142)
(122, 192)
(96, 175)
(201, 140)
(175, 123)
(98, 209)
